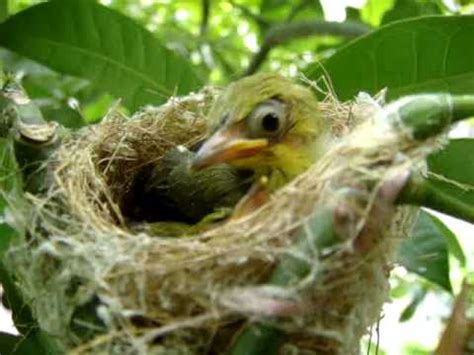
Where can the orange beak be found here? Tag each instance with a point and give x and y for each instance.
(226, 145)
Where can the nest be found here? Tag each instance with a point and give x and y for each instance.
(193, 294)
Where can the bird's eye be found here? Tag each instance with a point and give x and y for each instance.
(267, 119)
(270, 122)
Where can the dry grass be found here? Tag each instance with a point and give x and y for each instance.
(190, 294)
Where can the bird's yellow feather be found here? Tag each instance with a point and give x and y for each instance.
(279, 156)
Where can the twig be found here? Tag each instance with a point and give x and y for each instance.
(206, 9)
(421, 192)
(261, 21)
(34, 138)
(421, 117)
(285, 32)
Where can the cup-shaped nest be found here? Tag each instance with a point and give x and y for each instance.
(100, 286)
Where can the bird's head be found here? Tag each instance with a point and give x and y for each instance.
(265, 123)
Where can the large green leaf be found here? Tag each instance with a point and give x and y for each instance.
(33, 343)
(420, 55)
(451, 170)
(426, 251)
(448, 186)
(85, 39)
(404, 9)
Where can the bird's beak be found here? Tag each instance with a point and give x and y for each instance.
(226, 145)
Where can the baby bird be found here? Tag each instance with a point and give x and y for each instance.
(268, 124)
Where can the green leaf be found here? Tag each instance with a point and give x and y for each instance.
(32, 339)
(374, 10)
(3, 10)
(257, 339)
(448, 187)
(416, 349)
(94, 111)
(274, 9)
(8, 342)
(353, 14)
(307, 11)
(410, 309)
(420, 55)
(451, 240)
(2, 75)
(21, 313)
(25, 345)
(404, 9)
(85, 39)
(65, 115)
(7, 235)
(425, 252)
(451, 170)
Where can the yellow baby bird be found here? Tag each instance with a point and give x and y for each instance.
(268, 124)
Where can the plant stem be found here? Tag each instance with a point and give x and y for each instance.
(206, 9)
(286, 32)
(259, 20)
(33, 137)
(463, 107)
(427, 115)
(420, 192)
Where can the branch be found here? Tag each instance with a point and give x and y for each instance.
(204, 47)
(261, 21)
(425, 115)
(206, 9)
(34, 138)
(420, 192)
(421, 117)
(286, 32)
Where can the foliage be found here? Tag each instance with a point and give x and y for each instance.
(124, 59)
(426, 251)
(447, 170)
(421, 55)
(76, 57)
